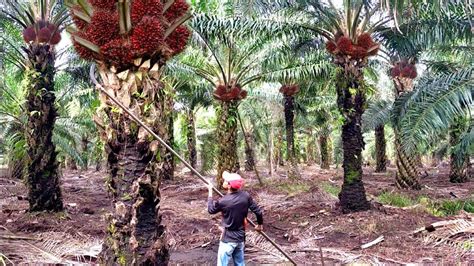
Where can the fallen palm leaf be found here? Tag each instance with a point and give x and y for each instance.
(457, 233)
(50, 247)
(258, 241)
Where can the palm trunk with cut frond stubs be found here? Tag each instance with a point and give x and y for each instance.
(191, 138)
(209, 149)
(227, 159)
(42, 176)
(459, 163)
(380, 149)
(135, 235)
(407, 173)
(407, 170)
(249, 151)
(168, 163)
(289, 109)
(351, 101)
(324, 149)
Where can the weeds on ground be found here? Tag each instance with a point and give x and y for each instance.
(395, 199)
(331, 189)
(446, 207)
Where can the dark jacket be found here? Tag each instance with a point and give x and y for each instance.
(234, 208)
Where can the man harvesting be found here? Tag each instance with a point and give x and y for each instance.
(234, 207)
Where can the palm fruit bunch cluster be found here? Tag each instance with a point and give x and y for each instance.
(289, 90)
(403, 69)
(42, 32)
(363, 47)
(229, 93)
(98, 22)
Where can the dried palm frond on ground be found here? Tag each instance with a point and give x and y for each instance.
(257, 241)
(49, 247)
(457, 233)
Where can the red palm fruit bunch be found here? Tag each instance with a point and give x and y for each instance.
(289, 90)
(178, 39)
(103, 4)
(141, 8)
(175, 40)
(343, 45)
(142, 41)
(403, 69)
(227, 93)
(42, 32)
(100, 37)
(176, 10)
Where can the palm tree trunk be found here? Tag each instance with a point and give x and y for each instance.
(42, 177)
(85, 151)
(351, 103)
(459, 163)
(289, 109)
(208, 151)
(419, 161)
(168, 132)
(310, 149)
(380, 148)
(407, 174)
(135, 235)
(323, 147)
(271, 147)
(191, 138)
(434, 159)
(227, 138)
(249, 151)
(279, 152)
(71, 163)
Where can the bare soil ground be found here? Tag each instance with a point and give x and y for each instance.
(300, 217)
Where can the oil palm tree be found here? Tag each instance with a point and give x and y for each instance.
(349, 36)
(41, 22)
(115, 34)
(263, 112)
(288, 92)
(352, 36)
(437, 104)
(73, 121)
(382, 106)
(230, 64)
(424, 30)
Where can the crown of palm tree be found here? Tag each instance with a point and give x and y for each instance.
(41, 20)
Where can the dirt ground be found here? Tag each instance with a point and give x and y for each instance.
(301, 217)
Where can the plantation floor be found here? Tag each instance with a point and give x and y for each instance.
(301, 217)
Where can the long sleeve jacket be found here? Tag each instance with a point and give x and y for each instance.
(234, 208)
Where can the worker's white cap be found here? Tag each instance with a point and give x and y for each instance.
(231, 176)
(235, 180)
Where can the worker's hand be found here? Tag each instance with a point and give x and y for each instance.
(259, 227)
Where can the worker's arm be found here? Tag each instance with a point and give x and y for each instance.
(258, 212)
(213, 206)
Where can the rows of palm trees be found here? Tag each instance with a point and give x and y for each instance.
(310, 67)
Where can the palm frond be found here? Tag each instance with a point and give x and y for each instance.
(432, 107)
(378, 113)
